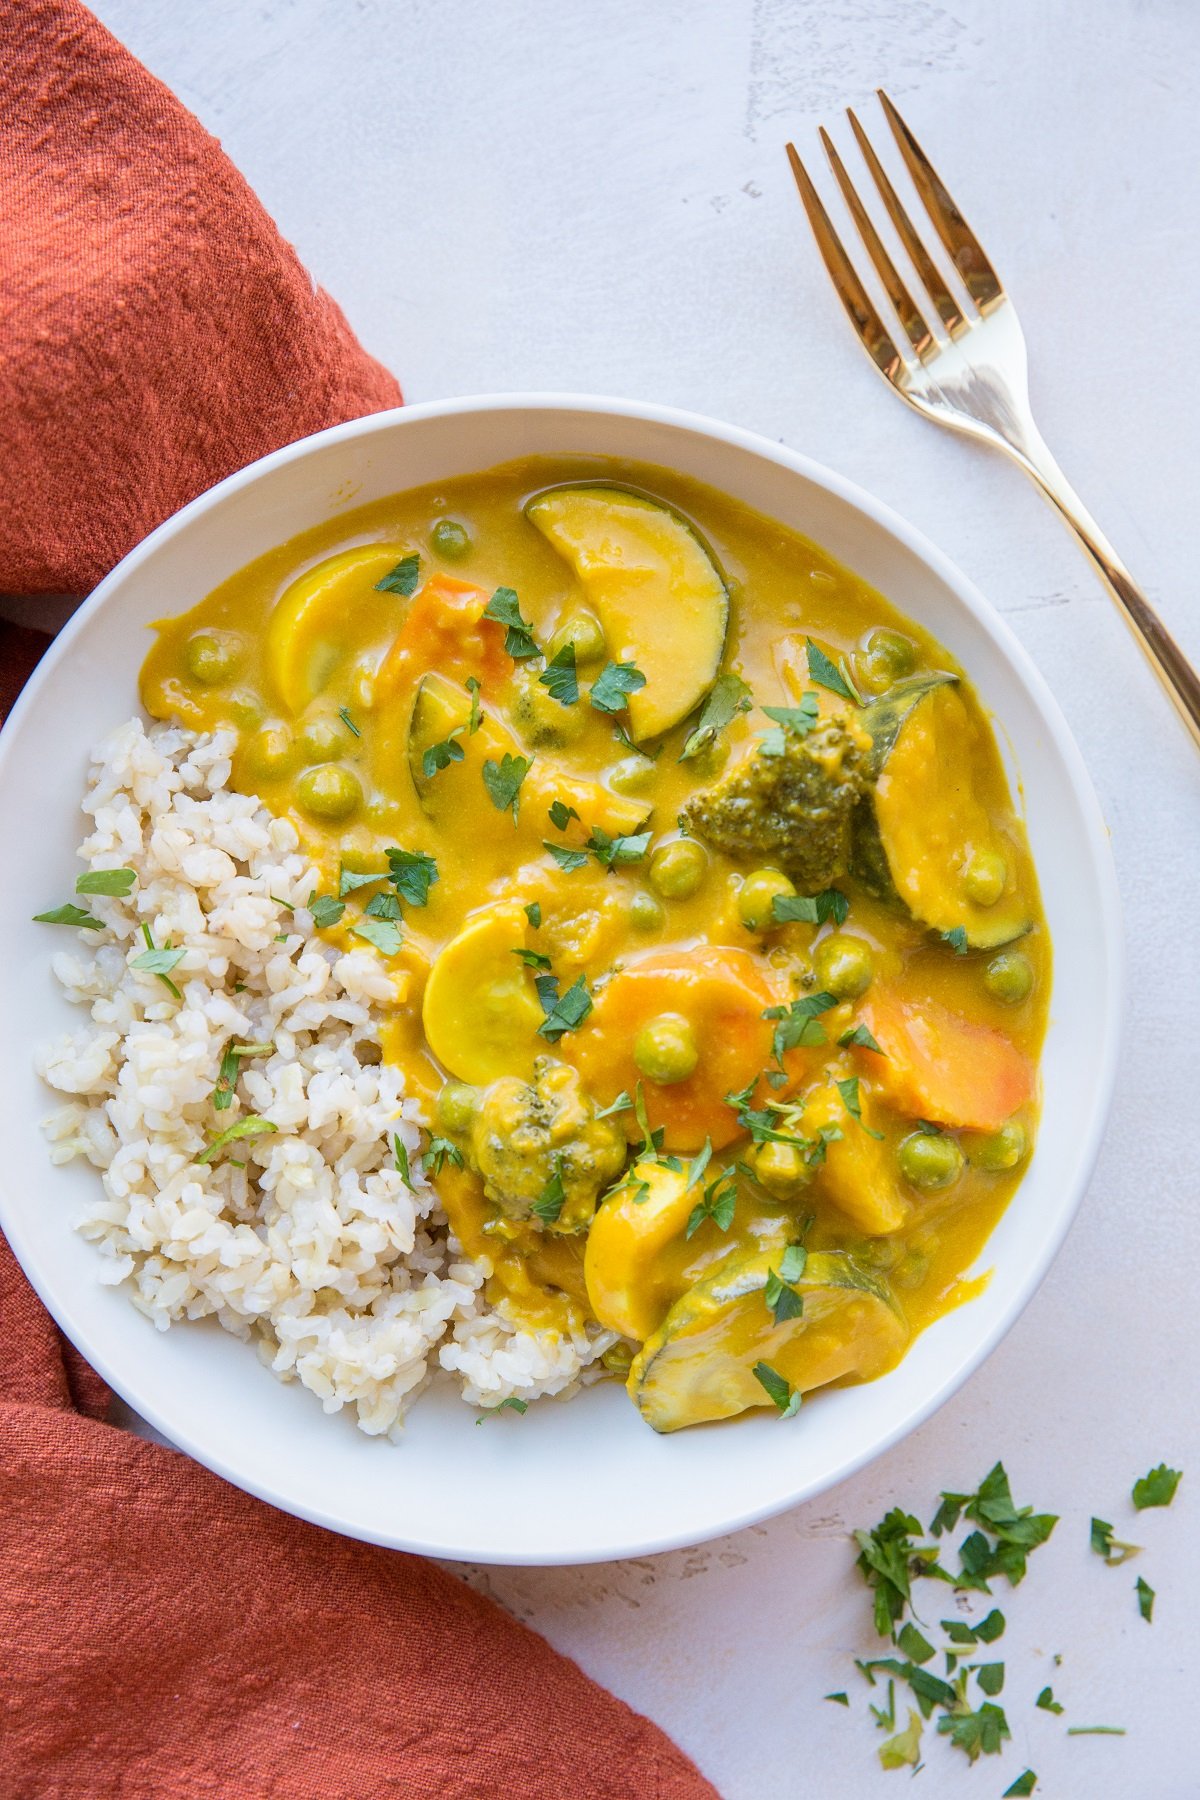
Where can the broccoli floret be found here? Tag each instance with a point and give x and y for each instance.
(790, 799)
(528, 1138)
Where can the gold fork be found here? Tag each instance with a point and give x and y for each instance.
(966, 365)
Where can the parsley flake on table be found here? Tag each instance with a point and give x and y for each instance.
(503, 781)
(904, 1749)
(560, 677)
(826, 673)
(1095, 1731)
(403, 578)
(980, 1733)
(69, 915)
(505, 608)
(440, 756)
(567, 1012)
(325, 910)
(810, 909)
(1047, 1702)
(1022, 1787)
(509, 1404)
(613, 685)
(1157, 1488)
(782, 1398)
(117, 883)
(249, 1127)
(841, 1698)
(412, 873)
(1145, 1599)
(728, 696)
(1112, 1549)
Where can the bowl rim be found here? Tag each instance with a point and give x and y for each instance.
(1083, 797)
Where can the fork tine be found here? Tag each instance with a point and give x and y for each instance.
(966, 252)
(948, 309)
(919, 334)
(850, 290)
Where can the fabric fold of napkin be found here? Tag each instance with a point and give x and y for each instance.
(162, 1635)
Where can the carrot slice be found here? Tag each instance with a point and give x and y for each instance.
(444, 629)
(723, 993)
(939, 1066)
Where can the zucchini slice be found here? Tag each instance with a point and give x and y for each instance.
(658, 593)
(922, 819)
(699, 1364)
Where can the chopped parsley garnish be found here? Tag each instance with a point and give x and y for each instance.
(799, 720)
(476, 718)
(1157, 1488)
(718, 1203)
(1017, 1531)
(403, 578)
(728, 696)
(852, 1102)
(827, 674)
(859, 1036)
(567, 1012)
(621, 1104)
(227, 1074)
(1022, 1787)
(783, 1301)
(1095, 1731)
(383, 906)
(885, 1559)
(401, 1154)
(560, 678)
(533, 959)
(810, 909)
(325, 910)
(351, 879)
(990, 1677)
(782, 1398)
(505, 608)
(991, 1627)
(1110, 1548)
(533, 912)
(440, 1152)
(904, 1749)
(798, 1023)
(914, 1644)
(956, 937)
(69, 915)
(159, 962)
(115, 882)
(440, 756)
(1047, 1702)
(977, 1733)
(384, 934)
(566, 859)
(503, 781)
(553, 1197)
(412, 873)
(347, 721)
(842, 1698)
(613, 685)
(1145, 1599)
(249, 1127)
(560, 814)
(609, 851)
(509, 1404)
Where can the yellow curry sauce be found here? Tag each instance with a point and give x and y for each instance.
(632, 864)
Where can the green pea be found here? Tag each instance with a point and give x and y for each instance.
(1003, 1149)
(881, 1253)
(645, 913)
(584, 630)
(270, 753)
(911, 1270)
(323, 738)
(457, 1107)
(677, 869)
(984, 877)
(211, 657)
(756, 895)
(631, 775)
(618, 1358)
(450, 540)
(1009, 977)
(781, 1169)
(245, 708)
(929, 1161)
(665, 1049)
(843, 965)
(329, 792)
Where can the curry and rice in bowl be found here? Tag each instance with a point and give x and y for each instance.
(557, 926)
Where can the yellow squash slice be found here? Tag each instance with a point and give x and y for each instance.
(481, 1012)
(309, 618)
(858, 1172)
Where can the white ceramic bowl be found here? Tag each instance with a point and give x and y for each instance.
(588, 1480)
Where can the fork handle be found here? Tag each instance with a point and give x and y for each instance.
(1175, 673)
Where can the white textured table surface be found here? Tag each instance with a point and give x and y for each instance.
(549, 195)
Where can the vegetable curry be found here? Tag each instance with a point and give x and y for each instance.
(718, 962)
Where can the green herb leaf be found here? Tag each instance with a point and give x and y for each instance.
(956, 937)
(509, 1404)
(799, 720)
(249, 1127)
(69, 915)
(1145, 1599)
(719, 1202)
(382, 933)
(1021, 1787)
(440, 756)
(613, 686)
(503, 781)
(990, 1677)
(505, 608)
(852, 1101)
(621, 1104)
(810, 909)
(552, 1199)
(227, 1074)
(977, 1733)
(566, 859)
(785, 1402)
(792, 1264)
(560, 814)
(560, 678)
(533, 959)
(783, 1302)
(990, 1628)
(611, 851)
(476, 718)
(383, 906)
(158, 962)
(1095, 1731)
(885, 1559)
(904, 1749)
(568, 1012)
(1157, 1488)
(533, 912)
(1047, 1702)
(349, 880)
(401, 1154)
(115, 882)
(798, 1023)
(841, 1698)
(1110, 1548)
(440, 1152)
(826, 673)
(728, 696)
(347, 721)
(325, 910)
(914, 1644)
(412, 873)
(861, 1038)
(403, 578)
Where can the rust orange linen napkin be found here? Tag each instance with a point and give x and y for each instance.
(161, 1634)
